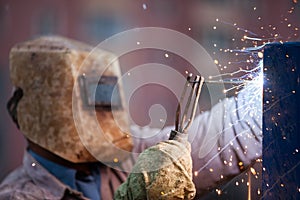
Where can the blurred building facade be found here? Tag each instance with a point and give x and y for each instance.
(216, 24)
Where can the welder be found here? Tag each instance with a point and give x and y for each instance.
(69, 157)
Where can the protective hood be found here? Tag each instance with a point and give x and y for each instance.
(73, 101)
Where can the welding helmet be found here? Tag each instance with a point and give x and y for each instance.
(73, 101)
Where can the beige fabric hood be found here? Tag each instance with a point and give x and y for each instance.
(53, 113)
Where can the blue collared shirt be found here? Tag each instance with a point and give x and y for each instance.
(89, 185)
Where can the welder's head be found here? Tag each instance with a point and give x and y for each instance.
(65, 97)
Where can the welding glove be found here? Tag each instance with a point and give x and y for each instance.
(163, 171)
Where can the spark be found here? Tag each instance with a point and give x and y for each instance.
(238, 28)
(275, 103)
(144, 6)
(223, 149)
(252, 38)
(233, 88)
(253, 171)
(280, 178)
(237, 80)
(195, 173)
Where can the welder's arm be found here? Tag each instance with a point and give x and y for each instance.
(228, 138)
(224, 140)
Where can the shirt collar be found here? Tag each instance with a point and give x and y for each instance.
(62, 173)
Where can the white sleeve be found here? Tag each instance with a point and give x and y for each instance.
(227, 139)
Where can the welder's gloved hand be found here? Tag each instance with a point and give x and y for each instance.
(163, 171)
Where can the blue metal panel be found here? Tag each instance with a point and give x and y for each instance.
(281, 121)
